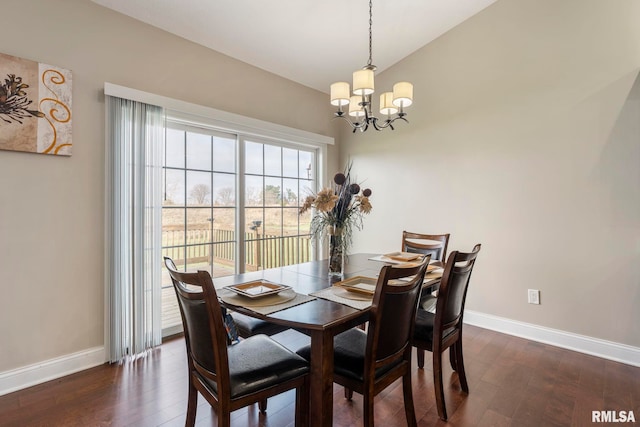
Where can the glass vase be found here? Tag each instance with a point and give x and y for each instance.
(337, 253)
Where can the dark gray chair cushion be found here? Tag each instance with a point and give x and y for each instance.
(259, 362)
(423, 329)
(248, 326)
(349, 349)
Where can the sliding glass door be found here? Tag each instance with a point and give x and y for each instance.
(231, 205)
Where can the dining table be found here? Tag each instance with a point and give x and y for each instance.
(313, 310)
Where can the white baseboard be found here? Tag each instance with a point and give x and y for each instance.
(48, 370)
(51, 369)
(581, 343)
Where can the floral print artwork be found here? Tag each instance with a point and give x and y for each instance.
(35, 107)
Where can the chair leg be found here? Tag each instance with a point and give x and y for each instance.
(262, 405)
(348, 393)
(224, 419)
(223, 413)
(420, 354)
(452, 357)
(437, 382)
(192, 404)
(367, 410)
(407, 392)
(460, 364)
(302, 404)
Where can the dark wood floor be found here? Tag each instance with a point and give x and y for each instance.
(513, 382)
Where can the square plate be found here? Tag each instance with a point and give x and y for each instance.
(257, 289)
(403, 256)
(431, 268)
(359, 284)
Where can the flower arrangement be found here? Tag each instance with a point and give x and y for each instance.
(338, 210)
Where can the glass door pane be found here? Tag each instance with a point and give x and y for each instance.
(276, 234)
(199, 208)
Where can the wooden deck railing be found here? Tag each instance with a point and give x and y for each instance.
(261, 251)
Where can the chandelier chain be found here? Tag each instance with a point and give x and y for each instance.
(370, 25)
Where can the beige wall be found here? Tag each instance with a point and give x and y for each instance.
(52, 209)
(522, 139)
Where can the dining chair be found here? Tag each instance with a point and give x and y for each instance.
(231, 377)
(433, 244)
(368, 362)
(442, 330)
(436, 246)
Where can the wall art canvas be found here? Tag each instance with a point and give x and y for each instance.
(35, 107)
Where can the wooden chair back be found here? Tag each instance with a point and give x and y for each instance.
(204, 329)
(453, 292)
(433, 244)
(392, 315)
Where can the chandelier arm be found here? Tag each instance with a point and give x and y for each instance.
(386, 124)
(400, 118)
(390, 121)
(370, 119)
(355, 126)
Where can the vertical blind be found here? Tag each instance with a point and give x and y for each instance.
(135, 141)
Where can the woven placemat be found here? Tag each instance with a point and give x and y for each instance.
(337, 294)
(267, 304)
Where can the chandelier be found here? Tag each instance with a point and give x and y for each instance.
(392, 104)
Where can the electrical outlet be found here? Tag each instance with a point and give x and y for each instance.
(533, 296)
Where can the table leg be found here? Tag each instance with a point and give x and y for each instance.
(321, 381)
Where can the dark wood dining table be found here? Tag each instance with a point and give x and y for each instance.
(320, 319)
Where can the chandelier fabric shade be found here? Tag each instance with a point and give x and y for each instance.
(402, 94)
(355, 109)
(386, 104)
(340, 93)
(363, 82)
(392, 104)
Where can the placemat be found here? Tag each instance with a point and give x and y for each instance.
(264, 305)
(344, 293)
(334, 294)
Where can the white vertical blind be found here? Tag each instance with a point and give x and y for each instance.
(135, 141)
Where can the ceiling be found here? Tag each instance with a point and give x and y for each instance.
(312, 42)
